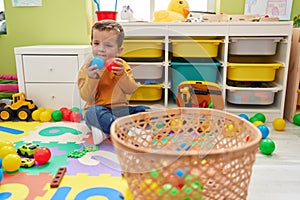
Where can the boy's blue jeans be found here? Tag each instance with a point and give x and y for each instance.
(102, 117)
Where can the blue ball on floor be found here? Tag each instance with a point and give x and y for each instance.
(1, 175)
(244, 116)
(264, 131)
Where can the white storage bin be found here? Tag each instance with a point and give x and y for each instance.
(252, 95)
(147, 70)
(253, 45)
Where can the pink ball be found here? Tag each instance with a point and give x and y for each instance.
(42, 155)
(75, 117)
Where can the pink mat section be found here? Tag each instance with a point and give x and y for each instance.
(10, 87)
(8, 77)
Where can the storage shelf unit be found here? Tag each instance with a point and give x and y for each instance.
(292, 105)
(224, 31)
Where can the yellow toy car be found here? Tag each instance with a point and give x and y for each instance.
(27, 162)
(27, 150)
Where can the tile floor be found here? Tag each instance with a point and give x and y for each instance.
(277, 177)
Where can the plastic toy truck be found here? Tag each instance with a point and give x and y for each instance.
(20, 107)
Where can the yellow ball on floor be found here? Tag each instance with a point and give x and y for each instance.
(35, 115)
(5, 150)
(279, 124)
(45, 116)
(257, 123)
(6, 143)
(11, 162)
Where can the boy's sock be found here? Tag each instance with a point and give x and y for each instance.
(98, 135)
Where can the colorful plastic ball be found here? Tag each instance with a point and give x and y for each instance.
(253, 119)
(110, 63)
(279, 124)
(267, 146)
(6, 143)
(1, 175)
(66, 114)
(56, 115)
(35, 115)
(49, 110)
(257, 123)
(41, 109)
(42, 155)
(81, 111)
(63, 108)
(260, 117)
(7, 150)
(244, 116)
(98, 61)
(264, 131)
(11, 162)
(296, 119)
(75, 109)
(45, 116)
(75, 117)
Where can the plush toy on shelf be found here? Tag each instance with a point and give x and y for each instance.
(127, 13)
(178, 11)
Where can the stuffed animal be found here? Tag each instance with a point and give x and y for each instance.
(127, 13)
(178, 11)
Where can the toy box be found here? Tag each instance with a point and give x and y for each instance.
(195, 48)
(253, 45)
(145, 92)
(143, 50)
(196, 71)
(252, 95)
(152, 71)
(252, 71)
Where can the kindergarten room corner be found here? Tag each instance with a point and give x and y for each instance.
(148, 100)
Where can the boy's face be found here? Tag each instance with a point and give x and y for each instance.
(105, 44)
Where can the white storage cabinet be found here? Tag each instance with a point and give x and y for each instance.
(48, 74)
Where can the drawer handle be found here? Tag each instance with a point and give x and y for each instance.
(50, 69)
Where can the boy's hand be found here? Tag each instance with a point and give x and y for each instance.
(117, 66)
(91, 70)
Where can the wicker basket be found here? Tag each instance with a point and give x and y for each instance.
(186, 153)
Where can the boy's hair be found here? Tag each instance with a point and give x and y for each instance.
(108, 25)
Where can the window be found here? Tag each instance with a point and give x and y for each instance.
(141, 12)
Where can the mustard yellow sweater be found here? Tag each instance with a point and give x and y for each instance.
(109, 91)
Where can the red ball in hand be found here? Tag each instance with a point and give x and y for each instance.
(110, 63)
(42, 155)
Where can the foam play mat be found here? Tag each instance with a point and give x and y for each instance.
(91, 172)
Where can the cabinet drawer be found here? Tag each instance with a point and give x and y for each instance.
(50, 68)
(53, 95)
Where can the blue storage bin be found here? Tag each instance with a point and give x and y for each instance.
(193, 71)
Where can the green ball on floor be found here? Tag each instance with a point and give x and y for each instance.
(296, 119)
(267, 146)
